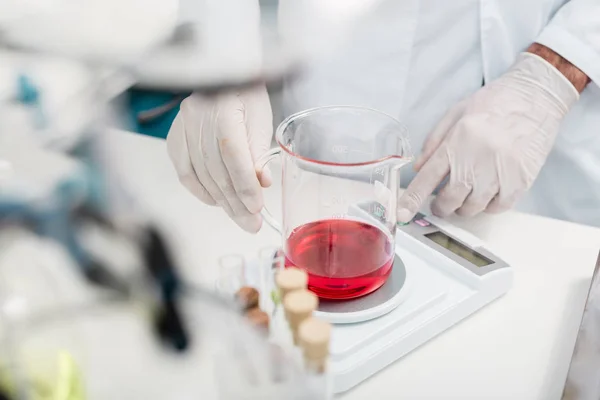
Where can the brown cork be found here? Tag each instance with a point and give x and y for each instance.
(247, 298)
(314, 336)
(299, 305)
(290, 279)
(258, 319)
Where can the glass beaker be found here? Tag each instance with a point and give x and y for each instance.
(340, 180)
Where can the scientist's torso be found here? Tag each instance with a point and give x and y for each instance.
(417, 58)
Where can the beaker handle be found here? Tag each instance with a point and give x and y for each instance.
(261, 164)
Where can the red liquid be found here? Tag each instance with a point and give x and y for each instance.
(344, 259)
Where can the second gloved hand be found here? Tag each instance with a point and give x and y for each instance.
(214, 143)
(492, 145)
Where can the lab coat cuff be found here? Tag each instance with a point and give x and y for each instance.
(573, 49)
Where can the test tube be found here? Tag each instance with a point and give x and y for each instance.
(269, 263)
(287, 281)
(269, 257)
(314, 336)
(231, 274)
(299, 305)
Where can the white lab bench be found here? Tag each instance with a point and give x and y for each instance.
(519, 347)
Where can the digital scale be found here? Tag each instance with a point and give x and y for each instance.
(441, 275)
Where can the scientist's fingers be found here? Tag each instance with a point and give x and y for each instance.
(479, 199)
(249, 222)
(213, 173)
(424, 183)
(228, 129)
(209, 183)
(195, 130)
(200, 156)
(503, 201)
(451, 197)
(435, 138)
(178, 151)
(259, 122)
(233, 144)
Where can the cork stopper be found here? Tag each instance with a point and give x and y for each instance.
(247, 298)
(314, 336)
(258, 319)
(299, 305)
(290, 279)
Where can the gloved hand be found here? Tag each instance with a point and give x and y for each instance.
(214, 143)
(493, 144)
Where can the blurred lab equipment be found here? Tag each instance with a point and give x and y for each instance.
(207, 45)
(125, 305)
(98, 337)
(100, 350)
(92, 301)
(334, 159)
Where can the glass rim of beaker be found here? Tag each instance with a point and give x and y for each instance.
(304, 113)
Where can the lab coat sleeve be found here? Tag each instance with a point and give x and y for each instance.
(574, 33)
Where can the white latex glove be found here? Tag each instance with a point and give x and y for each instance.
(214, 143)
(493, 144)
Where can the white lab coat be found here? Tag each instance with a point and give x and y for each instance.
(376, 72)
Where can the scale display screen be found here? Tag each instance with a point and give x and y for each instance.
(458, 248)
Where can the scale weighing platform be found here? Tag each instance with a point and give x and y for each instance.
(441, 275)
